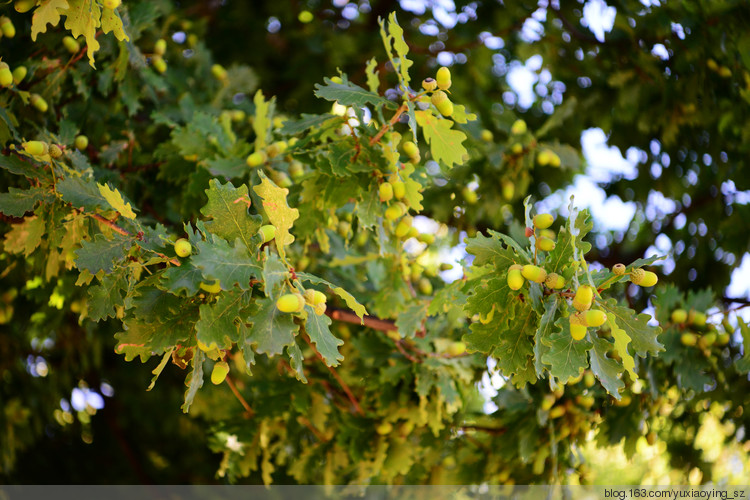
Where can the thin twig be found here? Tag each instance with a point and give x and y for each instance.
(111, 224)
(369, 321)
(249, 411)
(309, 425)
(406, 354)
(338, 378)
(387, 126)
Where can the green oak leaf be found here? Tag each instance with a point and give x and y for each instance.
(277, 210)
(144, 338)
(451, 295)
(544, 332)
(445, 143)
(482, 338)
(186, 277)
(230, 265)
(666, 298)
(17, 166)
(692, 371)
(567, 358)
(409, 321)
(194, 380)
(16, 202)
(296, 361)
(153, 304)
(526, 375)
(650, 260)
(348, 94)
(229, 168)
(307, 121)
(368, 207)
(490, 250)
(81, 194)
(513, 347)
(561, 255)
(271, 330)
(743, 364)
(101, 253)
(275, 274)
(218, 325)
(340, 155)
(642, 335)
(317, 328)
(107, 296)
(227, 209)
(488, 293)
(606, 369)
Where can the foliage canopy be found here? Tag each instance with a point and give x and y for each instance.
(320, 185)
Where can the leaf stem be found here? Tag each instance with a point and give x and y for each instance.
(248, 410)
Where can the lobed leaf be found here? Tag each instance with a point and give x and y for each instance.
(227, 210)
(271, 330)
(277, 210)
(317, 328)
(231, 265)
(445, 143)
(567, 358)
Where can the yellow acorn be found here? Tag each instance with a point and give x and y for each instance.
(554, 281)
(515, 279)
(543, 221)
(442, 103)
(583, 297)
(290, 303)
(595, 318)
(534, 273)
(443, 78)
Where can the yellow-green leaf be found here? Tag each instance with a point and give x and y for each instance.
(622, 339)
(396, 33)
(114, 198)
(355, 306)
(83, 17)
(262, 121)
(445, 144)
(277, 210)
(48, 12)
(111, 22)
(373, 82)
